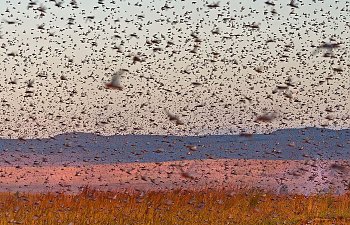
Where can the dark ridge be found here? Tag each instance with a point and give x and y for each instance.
(87, 148)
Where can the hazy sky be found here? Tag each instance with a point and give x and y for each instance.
(238, 67)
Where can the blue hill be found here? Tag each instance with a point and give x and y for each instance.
(76, 148)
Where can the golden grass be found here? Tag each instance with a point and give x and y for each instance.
(173, 207)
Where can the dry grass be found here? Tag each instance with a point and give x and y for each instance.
(173, 207)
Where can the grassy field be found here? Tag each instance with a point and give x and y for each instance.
(173, 207)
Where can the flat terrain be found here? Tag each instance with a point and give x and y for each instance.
(292, 176)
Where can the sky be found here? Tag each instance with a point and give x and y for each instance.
(216, 69)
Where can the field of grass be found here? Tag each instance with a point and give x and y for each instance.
(173, 207)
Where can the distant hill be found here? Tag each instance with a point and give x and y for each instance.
(81, 148)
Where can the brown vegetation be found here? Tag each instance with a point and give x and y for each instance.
(173, 207)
